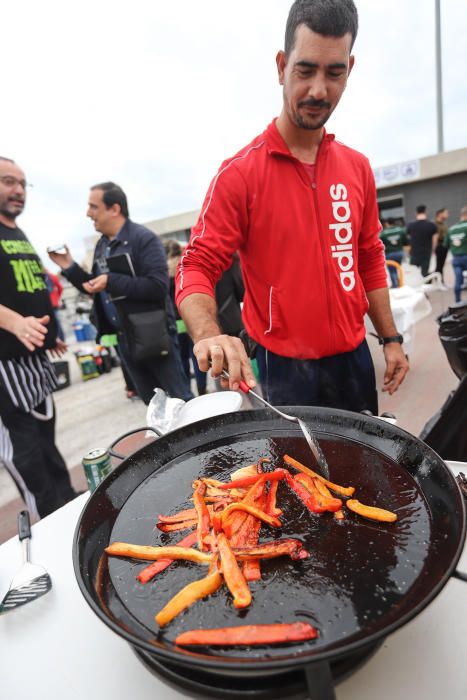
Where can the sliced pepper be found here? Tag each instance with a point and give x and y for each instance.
(252, 510)
(204, 520)
(152, 570)
(252, 568)
(187, 596)
(343, 490)
(249, 480)
(271, 507)
(248, 635)
(305, 496)
(173, 527)
(327, 502)
(189, 514)
(270, 550)
(141, 551)
(232, 574)
(371, 512)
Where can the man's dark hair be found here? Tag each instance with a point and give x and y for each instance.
(421, 209)
(325, 17)
(9, 160)
(113, 194)
(440, 211)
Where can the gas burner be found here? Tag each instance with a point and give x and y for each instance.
(312, 681)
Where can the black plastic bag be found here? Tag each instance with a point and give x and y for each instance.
(453, 335)
(446, 431)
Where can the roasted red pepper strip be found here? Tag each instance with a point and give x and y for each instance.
(271, 507)
(141, 551)
(304, 495)
(204, 520)
(243, 482)
(371, 512)
(173, 527)
(342, 490)
(252, 510)
(189, 514)
(327, 502)
(187, 596)
(252, 569)
(152, 570)
(270, 550)
(248, 635)
(235, 522)
(232, 574)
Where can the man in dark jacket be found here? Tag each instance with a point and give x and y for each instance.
(137, 291)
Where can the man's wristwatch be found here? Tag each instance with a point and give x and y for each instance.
(391, 339)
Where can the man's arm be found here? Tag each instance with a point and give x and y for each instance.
(211, 347)
(151, 282)
(380, 314)
(29, 330)
(71, 270)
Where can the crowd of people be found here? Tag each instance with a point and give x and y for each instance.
(290, 226)
(422, 239)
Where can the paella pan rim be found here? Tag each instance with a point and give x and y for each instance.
(188, 658)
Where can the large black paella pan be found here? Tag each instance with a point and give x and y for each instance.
(362, 581)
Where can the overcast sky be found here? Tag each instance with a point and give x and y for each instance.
(155, 94)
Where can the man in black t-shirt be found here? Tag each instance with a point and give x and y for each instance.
(423, 237)
(27, 379)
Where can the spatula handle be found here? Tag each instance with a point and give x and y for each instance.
(24, 525)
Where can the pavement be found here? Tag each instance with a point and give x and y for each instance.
(93, 413)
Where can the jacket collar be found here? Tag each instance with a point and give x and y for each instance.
(122, 236)
(277, 146)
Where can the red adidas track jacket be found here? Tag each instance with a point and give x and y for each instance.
(309, 250)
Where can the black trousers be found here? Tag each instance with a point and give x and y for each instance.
(40, 465)
(342, 381)
(441, 252)
(166, 373)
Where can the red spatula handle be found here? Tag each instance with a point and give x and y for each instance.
(244, 386)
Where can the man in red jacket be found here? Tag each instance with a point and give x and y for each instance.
(301, 210)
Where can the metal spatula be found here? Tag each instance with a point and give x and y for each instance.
(32, 580)
(309, 437)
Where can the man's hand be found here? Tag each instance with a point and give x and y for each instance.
(225, 352)
(397, 367)
(96, 285)
(59, 350)
(63, 260)
(31, 331)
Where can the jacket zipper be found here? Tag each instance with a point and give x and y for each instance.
(314, 187)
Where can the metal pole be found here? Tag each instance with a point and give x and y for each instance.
(439, 78)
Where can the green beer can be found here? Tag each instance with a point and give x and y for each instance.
(97, 464)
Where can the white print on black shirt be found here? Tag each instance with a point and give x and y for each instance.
(343, 234)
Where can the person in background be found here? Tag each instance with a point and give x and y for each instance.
(456, 241)
(174, 252)
(55, 288)
(119, 295)
(27, 378)
(301, 209)
(423, 238)
(229, 292)
(394, 239)
(441, 219)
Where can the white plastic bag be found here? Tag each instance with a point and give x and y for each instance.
(162, 411)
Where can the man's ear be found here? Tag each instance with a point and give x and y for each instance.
(351, 64)
(281, 62)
